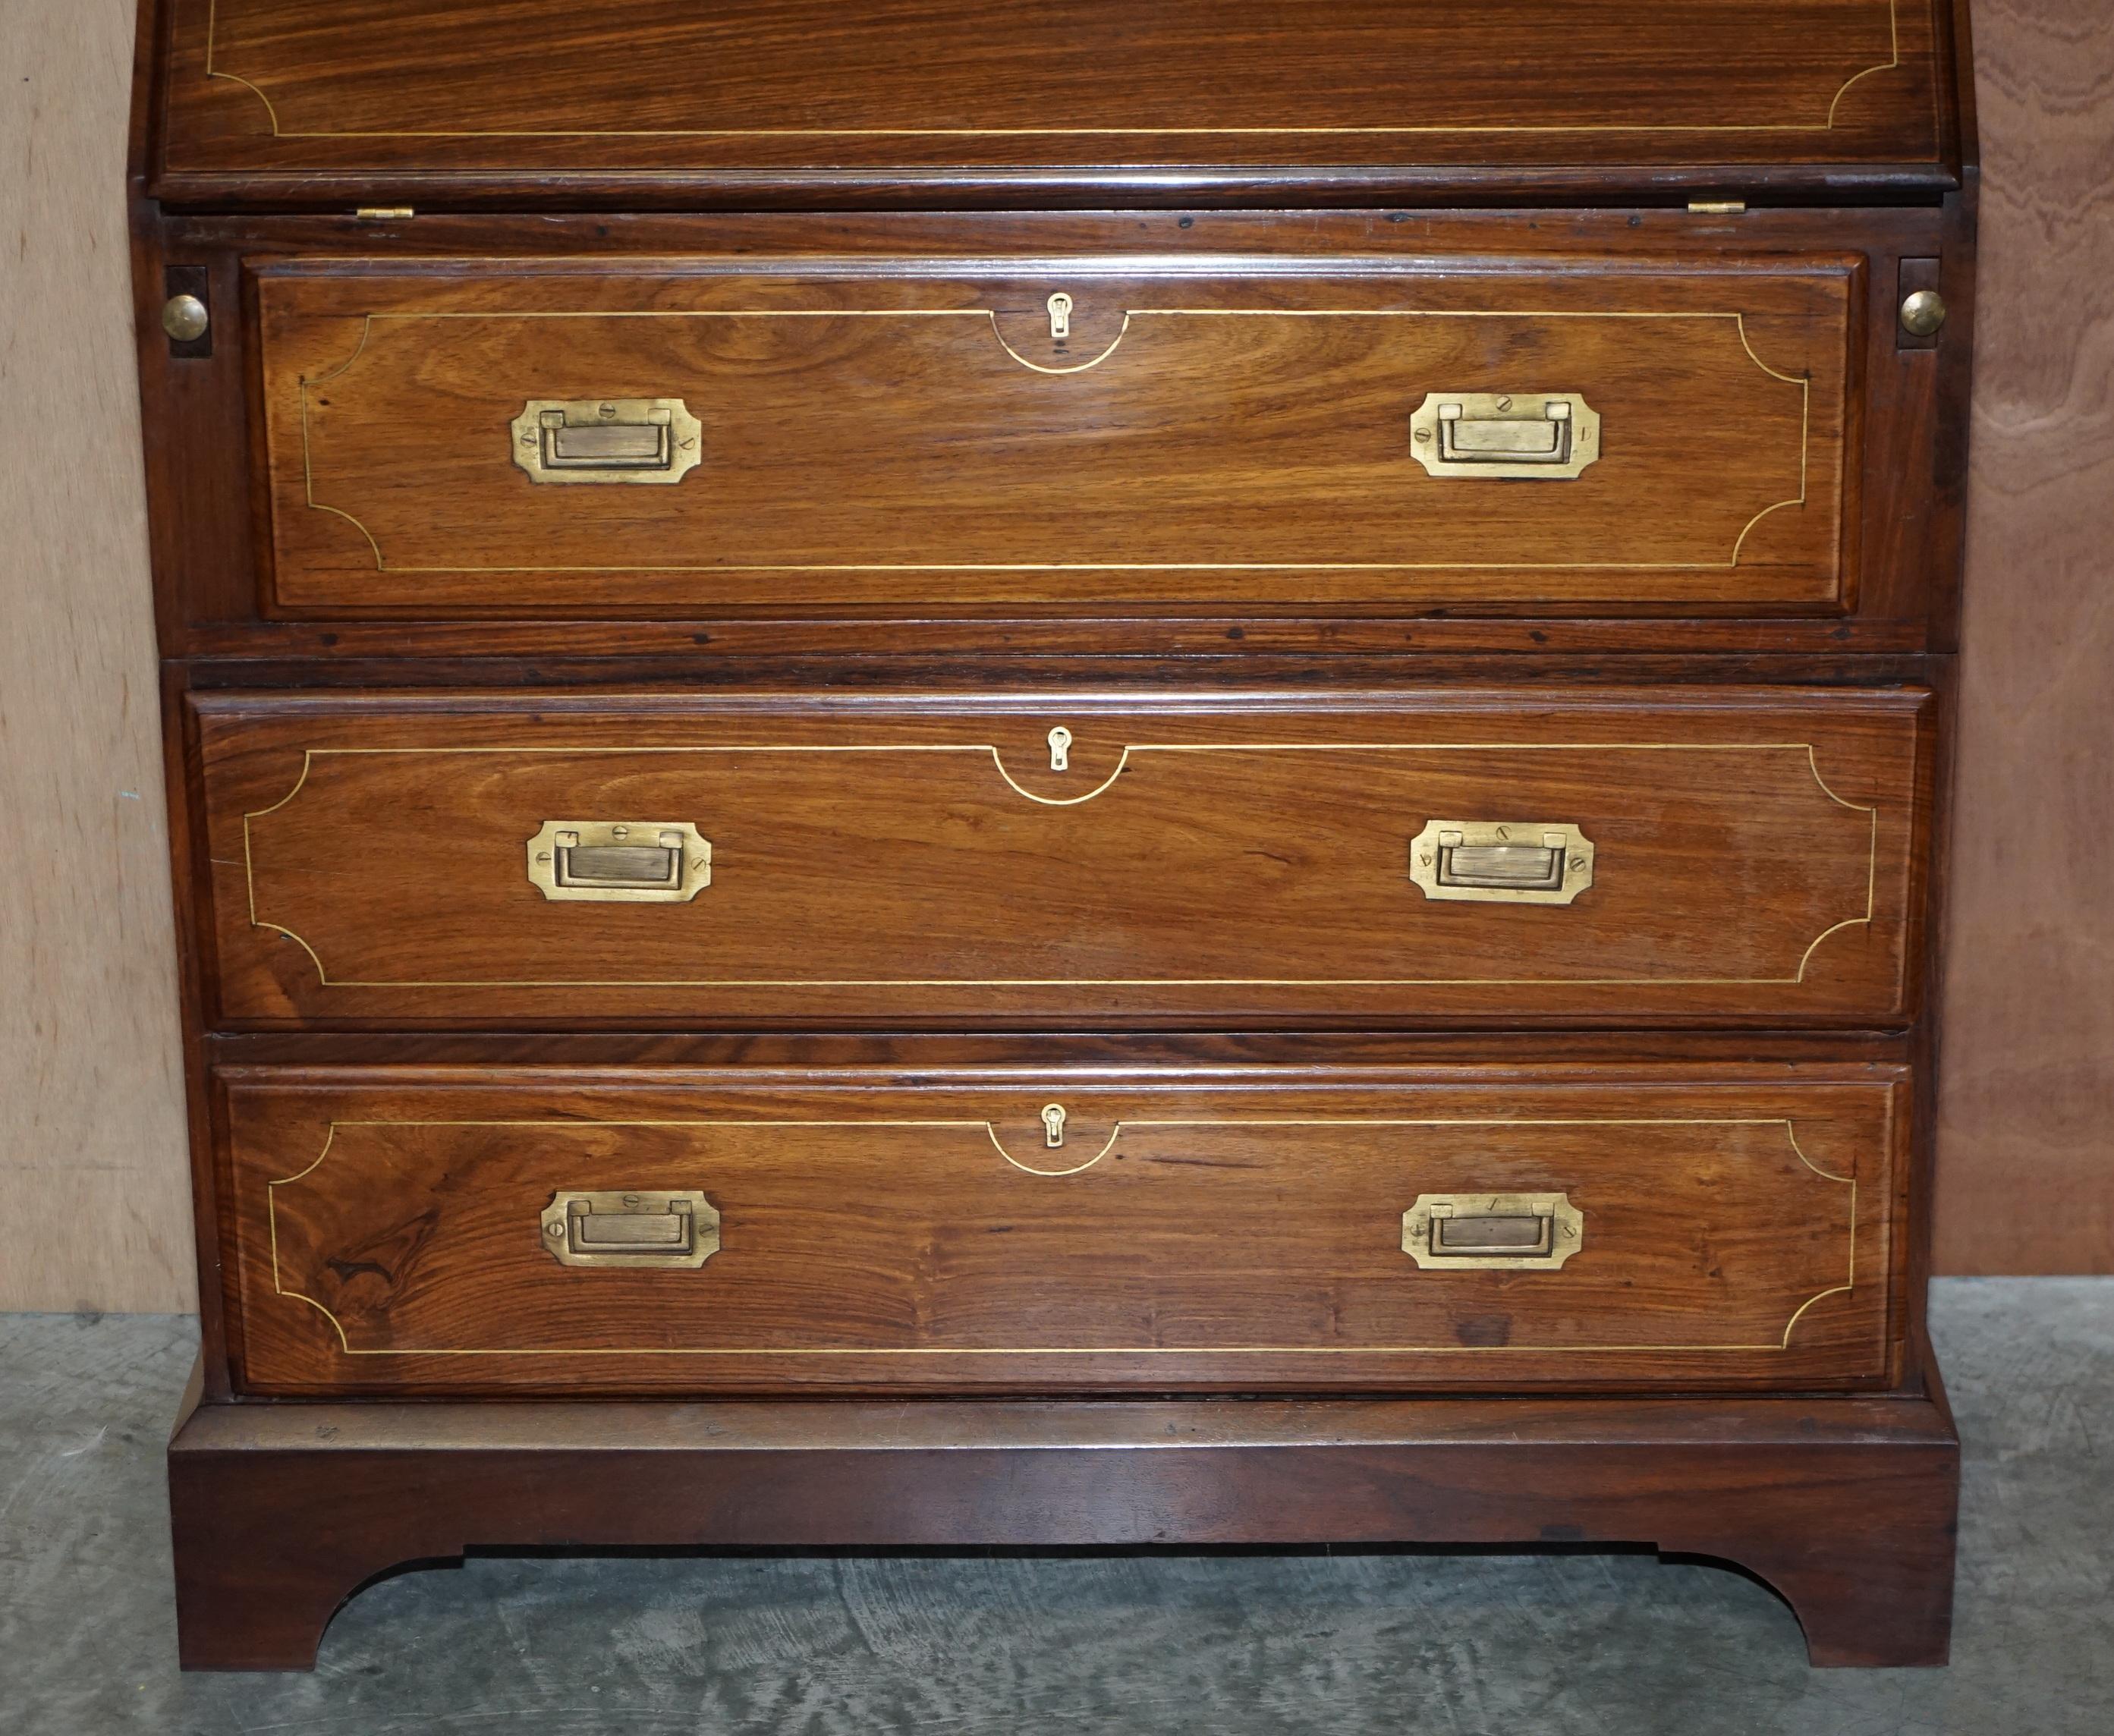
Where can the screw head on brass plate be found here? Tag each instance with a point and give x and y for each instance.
(1922, 312)
(184, 317)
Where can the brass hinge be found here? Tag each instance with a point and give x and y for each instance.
(382, 213)
(1716, 206)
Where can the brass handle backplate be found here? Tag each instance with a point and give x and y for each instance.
(1492, 1231)
(1547, 436)
(1510, 862)
(607, 440)
(641, 1229)
(616, 861)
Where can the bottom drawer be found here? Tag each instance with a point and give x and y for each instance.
(537, 1231)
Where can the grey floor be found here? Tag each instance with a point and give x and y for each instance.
(1337, 1642)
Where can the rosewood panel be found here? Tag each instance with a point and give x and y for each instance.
(577, 88)
(1752, 855)
(907, 435)
(388, 1234)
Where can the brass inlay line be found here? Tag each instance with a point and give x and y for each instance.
(310, 754)
(1123, 332)
(1115, 1132)
(308, 478)
(1825, 124)
(212, 72)
(1738, 319)
(1893, 59)
(1782, 1344)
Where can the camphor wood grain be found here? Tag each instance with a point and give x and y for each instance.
(905, 434)
(270, 87)
(1240, 858)
(385, 1234)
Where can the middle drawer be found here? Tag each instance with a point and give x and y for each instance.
(1514, 856)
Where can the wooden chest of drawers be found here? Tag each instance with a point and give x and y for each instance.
(955, 776)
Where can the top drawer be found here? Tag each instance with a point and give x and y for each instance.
(1551, 435)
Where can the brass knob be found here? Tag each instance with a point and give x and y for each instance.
(184, 318)
(1922, 312)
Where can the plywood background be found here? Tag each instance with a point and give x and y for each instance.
(2027, 1134)
(92, 1180)
(91, 1153)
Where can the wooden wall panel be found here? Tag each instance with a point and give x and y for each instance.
(2026, 1144)
(92, 1133)
(91, 1125)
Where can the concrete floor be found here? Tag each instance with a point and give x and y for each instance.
(993, 1646)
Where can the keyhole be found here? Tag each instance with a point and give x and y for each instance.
(1053, 1126)
(1060, 749)
(1060, 317)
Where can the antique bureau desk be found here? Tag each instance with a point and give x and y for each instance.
(1098, 773)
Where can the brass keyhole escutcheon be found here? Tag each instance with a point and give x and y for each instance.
(1922, 312)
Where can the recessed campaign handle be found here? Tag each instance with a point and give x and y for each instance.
(1489, 1232)
(636, 1229)
(607, 440)
(1501, 861)
(1525, 435)
(617, 861)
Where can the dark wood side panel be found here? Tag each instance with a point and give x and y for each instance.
(1236, 859)
(576, 88)
(911, 435)
(385, 1233)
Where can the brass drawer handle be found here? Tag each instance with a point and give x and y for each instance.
(1512, 861)
(1542, 436)
(607, 440)
(603, 861)
(1489, 1232)
(666, 1231)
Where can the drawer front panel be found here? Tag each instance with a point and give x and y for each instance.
(1555, 435)
(1504, 856)
(1061, 1234)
